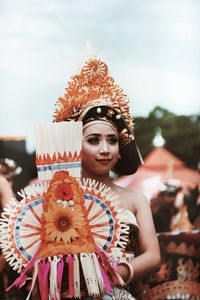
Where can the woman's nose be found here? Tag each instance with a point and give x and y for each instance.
(104, 147)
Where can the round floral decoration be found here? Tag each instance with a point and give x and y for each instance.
(63, 223)
(95, 69)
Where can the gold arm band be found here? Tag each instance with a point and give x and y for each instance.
(131, 270)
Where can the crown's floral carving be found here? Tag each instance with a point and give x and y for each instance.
(91, 83)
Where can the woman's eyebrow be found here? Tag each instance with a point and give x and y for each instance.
(93, 134)
(98, 135)
(112, 135)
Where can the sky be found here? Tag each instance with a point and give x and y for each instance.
(152, 49)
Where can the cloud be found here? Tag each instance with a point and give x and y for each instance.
(150, 87)
(151, 47)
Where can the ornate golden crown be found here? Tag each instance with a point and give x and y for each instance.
(92, 83)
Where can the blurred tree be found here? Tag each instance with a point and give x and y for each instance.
(181, 134)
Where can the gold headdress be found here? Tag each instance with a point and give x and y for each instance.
(92, 94)
(92, 86)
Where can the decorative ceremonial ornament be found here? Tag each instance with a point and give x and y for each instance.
(64, 226)
(92, 86)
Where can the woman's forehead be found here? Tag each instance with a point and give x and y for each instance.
(100, 128)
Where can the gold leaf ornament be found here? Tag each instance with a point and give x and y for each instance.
(92, 83)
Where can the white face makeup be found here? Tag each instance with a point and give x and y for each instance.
(100, 149)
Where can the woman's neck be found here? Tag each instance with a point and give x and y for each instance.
(101, 178)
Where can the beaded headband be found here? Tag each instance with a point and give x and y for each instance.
(100, 122)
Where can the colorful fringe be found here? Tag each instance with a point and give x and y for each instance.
(99, 273)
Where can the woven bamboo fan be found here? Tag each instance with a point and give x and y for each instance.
(58, 147)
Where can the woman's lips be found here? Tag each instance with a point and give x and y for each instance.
(103, 161)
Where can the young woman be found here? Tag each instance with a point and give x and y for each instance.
(8, 169)
(109, 144)
(100, 155)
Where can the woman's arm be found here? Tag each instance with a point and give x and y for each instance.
(148, 260)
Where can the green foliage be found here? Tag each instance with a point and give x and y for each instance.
(181, 134)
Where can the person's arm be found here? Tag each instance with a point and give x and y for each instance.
(5, 195)
(148, 260)
(5, 191)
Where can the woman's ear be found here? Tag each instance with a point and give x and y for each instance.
(119, 157)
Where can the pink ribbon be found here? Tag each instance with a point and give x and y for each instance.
(60, 274)
(109, 267)
(43, 270)
(70, 262)
(21, 280)
(105, 279)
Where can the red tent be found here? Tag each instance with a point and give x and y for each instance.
(159, 165)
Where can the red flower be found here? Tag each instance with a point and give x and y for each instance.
(64, 191)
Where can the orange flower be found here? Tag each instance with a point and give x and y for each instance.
(95, 69)
(64, 191)
(63, 223)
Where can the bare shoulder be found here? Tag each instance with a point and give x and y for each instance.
(133, 200)
(3, 180)
(5, 191)
(4, 184)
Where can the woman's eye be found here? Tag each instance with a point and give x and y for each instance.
(113, 140)
(93, 140)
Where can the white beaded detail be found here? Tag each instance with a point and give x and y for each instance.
(99, 110)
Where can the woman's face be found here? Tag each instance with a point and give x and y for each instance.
(100, 149)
